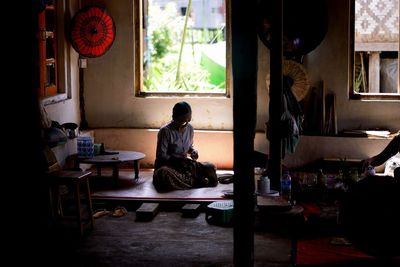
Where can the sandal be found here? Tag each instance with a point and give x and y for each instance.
(100, 213)
(119, 212)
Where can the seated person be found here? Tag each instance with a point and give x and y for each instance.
(172, 168)
(386, 155)
(370, 209)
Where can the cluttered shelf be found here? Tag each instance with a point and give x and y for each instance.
(367, 133)
(373, 134)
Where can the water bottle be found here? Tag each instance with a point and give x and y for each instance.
(286, 186)
(321, 179)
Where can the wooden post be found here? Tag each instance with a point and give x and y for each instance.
(275, 96)
(244, 68)
(374, 72)
(84, 124)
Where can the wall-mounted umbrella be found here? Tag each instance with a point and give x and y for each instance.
(92, 31)
(298, 75)
(305, 23)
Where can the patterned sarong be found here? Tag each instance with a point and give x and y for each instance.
(167, 178)
(182, 174)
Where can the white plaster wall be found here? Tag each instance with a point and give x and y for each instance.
(109, 87)
(110, 100)
(213, 146)
(217, 146)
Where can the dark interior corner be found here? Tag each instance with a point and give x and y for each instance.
(259, 235)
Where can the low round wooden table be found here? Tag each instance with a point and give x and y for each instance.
(113, 160)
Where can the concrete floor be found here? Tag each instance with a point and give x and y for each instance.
(168, 240)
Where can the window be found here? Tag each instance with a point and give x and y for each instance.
(48, 50)
(54, 62)
(375, 49)
(182, 47)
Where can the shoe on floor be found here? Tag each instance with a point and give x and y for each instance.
(100, 213)
(119, 212)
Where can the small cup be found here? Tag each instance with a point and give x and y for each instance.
(263, 185)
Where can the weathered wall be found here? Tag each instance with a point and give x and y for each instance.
(110, 100)
(109, 80)
(213, 146)
(217, 146)
(68, 109)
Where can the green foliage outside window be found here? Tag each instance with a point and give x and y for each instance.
(161, 61)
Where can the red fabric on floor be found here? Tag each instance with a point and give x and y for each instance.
(320, 251)
(311, 209)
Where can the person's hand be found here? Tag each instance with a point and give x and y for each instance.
(194, 154)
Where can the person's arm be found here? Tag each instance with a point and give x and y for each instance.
(162, 146)
(390, 150)
(193, 153)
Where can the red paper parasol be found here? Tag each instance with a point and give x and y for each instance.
(92, 31)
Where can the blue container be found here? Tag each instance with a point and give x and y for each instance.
(85, 147)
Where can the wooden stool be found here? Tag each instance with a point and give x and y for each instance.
(76, 180)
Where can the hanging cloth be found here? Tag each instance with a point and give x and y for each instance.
(291, 118)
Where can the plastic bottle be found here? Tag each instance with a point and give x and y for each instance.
(321, 178)
(354, 174)
(286, 186)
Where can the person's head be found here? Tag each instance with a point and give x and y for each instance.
(181, 114)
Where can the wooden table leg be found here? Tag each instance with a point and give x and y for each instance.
(55, 201)
(136, 168)
(98, 166)
(115, 173)
(293, 251)
(78, 208)
(76, 162)
(89, 204)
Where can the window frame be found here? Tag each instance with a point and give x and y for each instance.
(46, 36)
(62, 50)
(351, 93)
(138, 58)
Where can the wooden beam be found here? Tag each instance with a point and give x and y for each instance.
(374, 72)
(376, 46)
(244, 68)
(275, 96)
